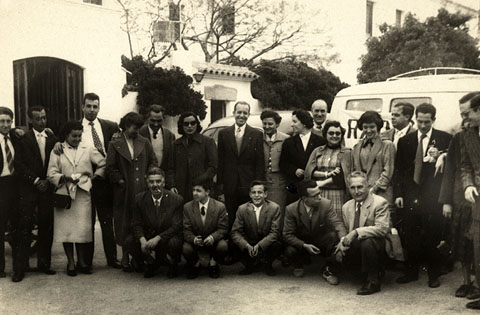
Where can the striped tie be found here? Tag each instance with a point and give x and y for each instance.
(96, 139)
(9, 156)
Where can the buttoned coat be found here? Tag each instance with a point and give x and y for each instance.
(121, 166)
(216, 221)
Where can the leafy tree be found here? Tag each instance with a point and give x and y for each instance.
(291, 84)
(168, 87)
(441, 41)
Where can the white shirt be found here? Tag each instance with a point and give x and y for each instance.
(400, 133)
(157, 144)
(305, 138)
(200, 205)
(272, 138)
(6, 170)
(257, 212)
(159, 200)
(41, 140)
(426, 140)
(87, 137)
(308, 209)
(242, 131)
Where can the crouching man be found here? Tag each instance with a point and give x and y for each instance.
(312, 228)
(157, 226)
(367, 218)
(205, 225)
(256, 230)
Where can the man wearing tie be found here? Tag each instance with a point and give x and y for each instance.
(33, 154)
(319, 111)
(402, 115)
(98, 133)
(8, 180)
(160, 138)
(240, 159)
(416, 190)
(205, 226)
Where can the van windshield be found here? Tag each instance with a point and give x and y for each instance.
(365, 104)
(415, 101)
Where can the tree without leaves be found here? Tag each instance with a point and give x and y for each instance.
(441, 41)
(291, 84)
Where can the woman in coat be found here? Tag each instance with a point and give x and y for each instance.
(71, 172)
(193, 157)
(128, 159)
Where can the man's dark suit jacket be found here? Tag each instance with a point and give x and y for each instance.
(245, 229)
(425, 195)
(294, 157)
(168, 140)
(216, 222)
(15, 141)
(28, 161)
(298, 229)
(240, 167)
(470, 164)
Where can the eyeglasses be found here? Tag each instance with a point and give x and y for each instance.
(189, 123)
(334, 133)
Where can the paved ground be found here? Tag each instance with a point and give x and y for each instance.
(110, 291)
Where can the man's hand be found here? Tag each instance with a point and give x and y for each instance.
(251, 250)
(208, 241)
(399, 202)
(121, 183)
(299, 172)
(349, 238)
(198, 241)
(471, 193)
(311, 249)
(447, 211)
(174, 190)
(58, 148)
(340, 251)
(440, 164)
(19, 133)
(335, 172)
(143, 245)
(153, 242)
(42, 185)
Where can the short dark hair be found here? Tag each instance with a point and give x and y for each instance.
(6, 111)
(258, 182)
(241, 103)
(407, 109)
(475, 103)
(69, 126)
(304, 185)
(156, 109)
(130, 119)
(206, 184)
(304, 117)
(355, 174)
(332, 123)
(467, 97)
(91, 96)
(36, 108)
(182, 118)
(370, 116)
(271, 114)
(426, 108)
(154, 170)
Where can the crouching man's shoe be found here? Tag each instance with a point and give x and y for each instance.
(475, 305)
(369, 287)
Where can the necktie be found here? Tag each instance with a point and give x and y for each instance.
(96, 139)
(157, 203)
(356, 220)
(202, 210)
(368, 142)
(9, 156)
(238, 139)
(418, 160)
(41, 146)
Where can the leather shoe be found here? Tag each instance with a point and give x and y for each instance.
(475, 305)
(433, 283)
(71, 272)
(330, 277)
(127, 268)
(474, 293)
(47, 271)
(3, 274)
(406, 278)
(17, 276)
(172, 271)
(192, 272)
(369, 288)
(115, 264)
(462, 291)
(214, 271)
(87, 270)
(298, 272)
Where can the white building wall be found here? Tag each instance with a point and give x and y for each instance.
(84, 34)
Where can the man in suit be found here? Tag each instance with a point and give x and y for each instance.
(296, 151)
(205, 226)
(157, 226)
(33, 154)
(98, 133)
(8, 181)
(402, 115)
(470, 175)
(319, 111)
(256, 230)
(416, 190)
(311, 228)
(367, 218)
(240, 159)
(160, 138)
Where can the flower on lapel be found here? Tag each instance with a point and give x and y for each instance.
(432, 153)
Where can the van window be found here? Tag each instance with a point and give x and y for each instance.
(365, 104)
(415, 101)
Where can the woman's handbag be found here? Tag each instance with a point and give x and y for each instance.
(62, 201)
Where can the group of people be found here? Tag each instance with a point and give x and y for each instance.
(288, 197)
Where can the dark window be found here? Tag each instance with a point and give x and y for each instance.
(98, 2)
(369, 18)
(217, 110)
(174, 17)
(227, 15)
(398, 18)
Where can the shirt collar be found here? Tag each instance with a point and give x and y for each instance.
(86, 122)
(242, 128)
(255, 208)
(200, 205)
(429, 134)
(307, 135)
(272, 138)
(403, 131)
(159, 199)
(37, 134)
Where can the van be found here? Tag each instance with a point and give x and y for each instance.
(254, 120)
(442, 87)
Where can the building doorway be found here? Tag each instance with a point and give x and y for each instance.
(217, 110)
(53, 83)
